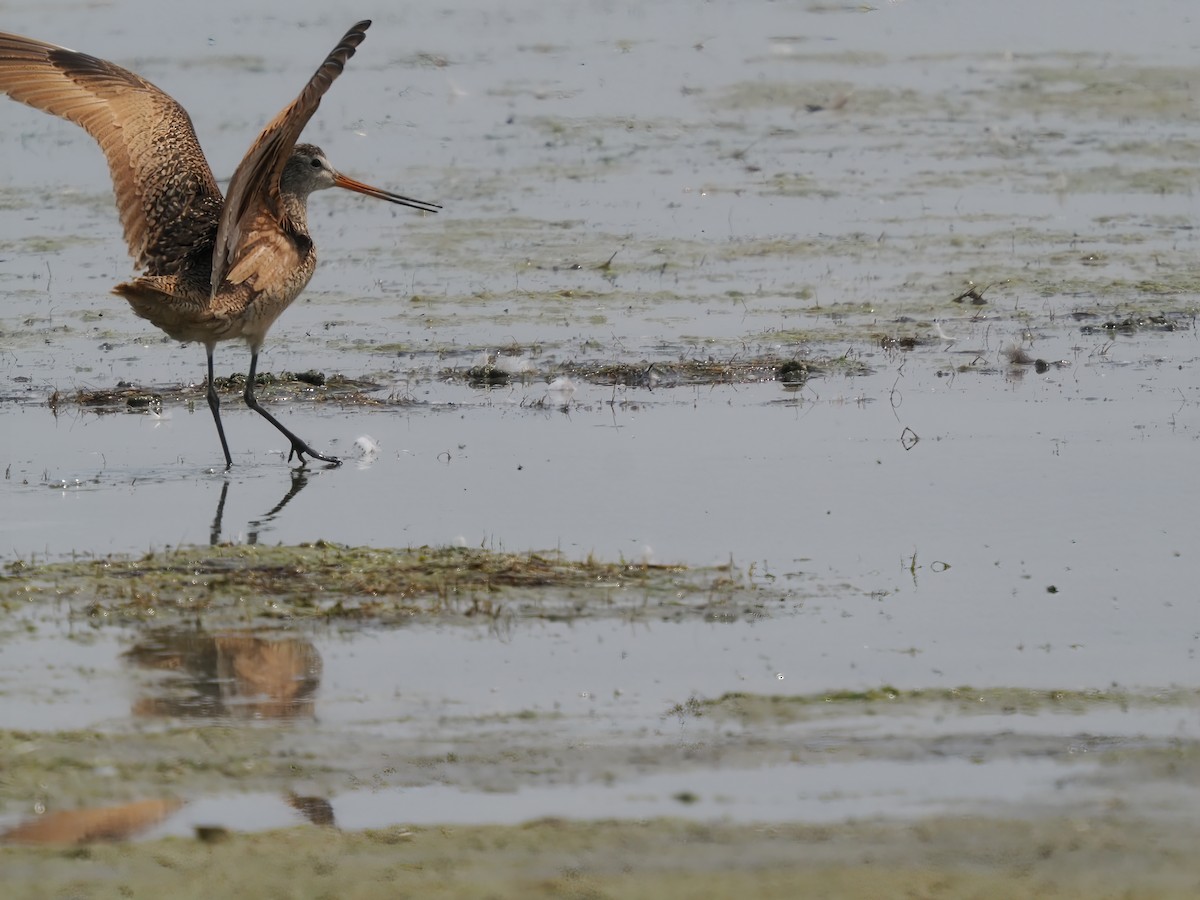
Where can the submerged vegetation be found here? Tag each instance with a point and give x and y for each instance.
(324, 581)
(750, 709)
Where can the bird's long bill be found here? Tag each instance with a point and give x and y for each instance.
(350, 184)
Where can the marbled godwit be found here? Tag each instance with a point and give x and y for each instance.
(216, 269)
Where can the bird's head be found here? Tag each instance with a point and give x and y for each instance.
(308, 170)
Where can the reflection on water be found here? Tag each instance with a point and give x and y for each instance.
(316, 810)
(130, 820)
(78, 826)
(299, 480)
(237, 675)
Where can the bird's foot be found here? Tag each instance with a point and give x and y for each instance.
(300, 449)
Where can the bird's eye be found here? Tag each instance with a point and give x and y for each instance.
(316, 163)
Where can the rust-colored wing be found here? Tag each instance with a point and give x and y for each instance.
(255, 182)
(166, 194)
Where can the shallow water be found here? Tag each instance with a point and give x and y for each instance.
(1038, 533)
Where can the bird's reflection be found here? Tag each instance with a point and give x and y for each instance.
(238, 675)
(90, 824)
(81, 826)
(317, 810)
(254, 526)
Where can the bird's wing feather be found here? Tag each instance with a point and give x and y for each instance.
(168, 200)
(255, 183)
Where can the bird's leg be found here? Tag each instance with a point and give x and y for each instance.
(299, 448)
(214, 403)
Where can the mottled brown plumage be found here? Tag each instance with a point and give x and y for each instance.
(216, 268)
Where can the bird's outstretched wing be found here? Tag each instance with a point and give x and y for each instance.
(255, 182)
(166, 194)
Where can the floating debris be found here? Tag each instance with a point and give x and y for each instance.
(793, 372)
(974, 293)
(560, 391)
(366, 447)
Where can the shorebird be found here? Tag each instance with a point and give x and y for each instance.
(215, 268)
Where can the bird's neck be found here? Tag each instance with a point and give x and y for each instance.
(295, 208)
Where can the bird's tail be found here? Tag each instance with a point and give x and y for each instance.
(181, 314)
